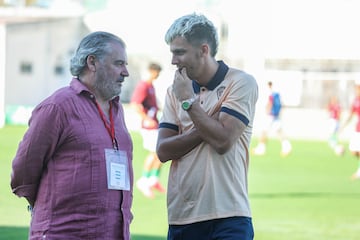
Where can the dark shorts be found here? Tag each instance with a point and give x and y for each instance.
(233, 228)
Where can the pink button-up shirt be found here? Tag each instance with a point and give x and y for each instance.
(60, 165)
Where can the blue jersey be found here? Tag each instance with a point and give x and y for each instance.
(276, 104)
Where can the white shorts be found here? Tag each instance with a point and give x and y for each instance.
(149, 137)
(272, 124)
(354, 145)
(333, 125)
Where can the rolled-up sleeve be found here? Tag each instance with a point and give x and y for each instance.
(35, 150)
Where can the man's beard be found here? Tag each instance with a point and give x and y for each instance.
(105, 88)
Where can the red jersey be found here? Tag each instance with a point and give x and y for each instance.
(355, 109)
(334, 111)
(144, 94)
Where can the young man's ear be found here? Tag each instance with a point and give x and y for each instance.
(205, 49)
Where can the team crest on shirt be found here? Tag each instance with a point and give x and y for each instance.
(220, 91)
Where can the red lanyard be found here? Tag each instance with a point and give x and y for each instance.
(110, 128)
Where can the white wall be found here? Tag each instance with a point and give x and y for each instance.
(43, 44)
(2, 73)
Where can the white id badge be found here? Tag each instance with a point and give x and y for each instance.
(117, 170)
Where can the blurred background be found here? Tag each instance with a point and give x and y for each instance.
(307, 48)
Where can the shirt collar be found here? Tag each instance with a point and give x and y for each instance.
(216, 79)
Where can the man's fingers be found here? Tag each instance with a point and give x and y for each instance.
(183, 72)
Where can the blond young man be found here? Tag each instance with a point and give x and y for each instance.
(205, 132)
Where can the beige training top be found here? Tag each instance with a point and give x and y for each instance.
(203, 184)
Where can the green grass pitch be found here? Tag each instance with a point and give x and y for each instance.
(306, 195)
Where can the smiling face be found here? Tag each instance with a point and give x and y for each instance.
(111, 72)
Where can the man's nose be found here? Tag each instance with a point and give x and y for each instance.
(174, 60)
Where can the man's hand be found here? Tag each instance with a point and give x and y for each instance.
(182, 85)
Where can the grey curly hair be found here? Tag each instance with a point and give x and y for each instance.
(95, 43)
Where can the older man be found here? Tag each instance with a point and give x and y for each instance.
(74, 164)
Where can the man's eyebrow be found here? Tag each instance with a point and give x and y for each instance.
(178, 50)
(120, 62)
